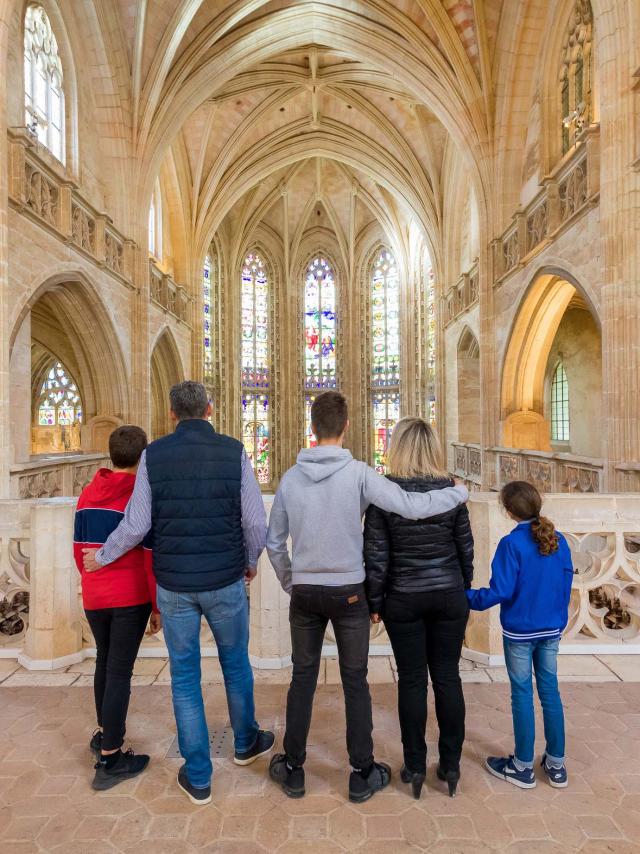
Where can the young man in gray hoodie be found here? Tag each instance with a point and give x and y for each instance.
(320, 504)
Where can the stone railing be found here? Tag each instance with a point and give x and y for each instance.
(569, 191)
(42, 623)
(462, 296)
(548, 471)
(603, 534)
(55, 476)
(170, 296)
(43, 192)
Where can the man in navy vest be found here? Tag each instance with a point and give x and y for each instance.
(197, 494)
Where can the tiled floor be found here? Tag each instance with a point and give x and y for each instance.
(46, 803)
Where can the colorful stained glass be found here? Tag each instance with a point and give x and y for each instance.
(310, 440)
(206, 307)
(255, 323)
(385, 321)
(431, 346)
(59, 402)
(386, 412)
(385, 355)
(255, 433)
(255, 362)
(320, 325)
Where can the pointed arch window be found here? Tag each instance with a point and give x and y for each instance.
(560, 405)
(385, 355)
(43, 90)
(320, 366)
(59, 402)
(431, 345)
(256, 366)
(576, 94)
(206, 320)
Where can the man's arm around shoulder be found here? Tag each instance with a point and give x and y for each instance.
(391, 497)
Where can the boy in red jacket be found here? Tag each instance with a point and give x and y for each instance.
(118, 601)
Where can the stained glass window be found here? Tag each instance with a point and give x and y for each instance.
(43, 93)
(59, 402)
(255, 366)
(560, 405)
(206, 320)
(385, 357)
(431, 346)
(320, 335)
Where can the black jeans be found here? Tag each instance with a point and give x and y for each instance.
(426, 631)
(312, 606)
(118, 633)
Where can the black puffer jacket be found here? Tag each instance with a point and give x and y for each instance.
(417, 557)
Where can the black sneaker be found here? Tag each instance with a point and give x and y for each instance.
(263, 745)
(199, 797)
(126, 766)
(362, 787)
(290, 779)
(95, 745)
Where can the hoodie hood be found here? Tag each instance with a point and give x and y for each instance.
(108, 486)
(321, 462)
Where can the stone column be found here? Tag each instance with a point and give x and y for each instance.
(483, 638)
(5, 448)
(20, 394)
(269, 640)
(140, 378)
(54, 636)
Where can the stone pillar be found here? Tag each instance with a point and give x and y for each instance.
(140, 380)
(5, 448)
(269, 639)
(20, 394)
(54, 636)
(483, 638)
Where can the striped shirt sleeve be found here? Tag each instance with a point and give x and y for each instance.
(136, 523)
(254, 518)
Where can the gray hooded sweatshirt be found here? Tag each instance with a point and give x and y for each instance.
(320, 504)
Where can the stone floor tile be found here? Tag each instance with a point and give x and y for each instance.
(31, 679)
(309, 827)
(346, 827)
(474, 676)
(168, 826)
(238, 826)
(456, 827)
(7, 667)
(418, 828)
(528, 827)
(626, 667)
(583, 666)
(598, 827)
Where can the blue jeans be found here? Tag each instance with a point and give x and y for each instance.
(542, 656)
(227, 613)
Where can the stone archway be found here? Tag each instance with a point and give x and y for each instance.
(166, 371)
(468, 362)
(544, 325)
(66, 321)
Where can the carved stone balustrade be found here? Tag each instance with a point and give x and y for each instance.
(568, 192)
(173, 298)
(41, 189)
(65, 475)
(462, 296)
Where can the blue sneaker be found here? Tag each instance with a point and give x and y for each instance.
(557, 777)
(503, 768)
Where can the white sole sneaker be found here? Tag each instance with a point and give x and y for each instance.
(508, 779)
(198, 802)
(252, 759)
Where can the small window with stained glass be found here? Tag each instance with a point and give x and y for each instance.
(59, 403)
(43, 92)
(560, 405)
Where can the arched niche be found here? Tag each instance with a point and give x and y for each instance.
(555, 322)
(166, 371)
(468, 363)
(66, 321)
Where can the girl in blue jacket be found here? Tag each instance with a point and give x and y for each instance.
(531, 577)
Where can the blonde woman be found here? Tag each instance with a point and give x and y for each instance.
(416, 576)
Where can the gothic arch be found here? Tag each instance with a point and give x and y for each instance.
(525, 367)
(468, 369)
(166, 371)
(69, 319)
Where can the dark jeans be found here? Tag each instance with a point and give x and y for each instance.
(426, 631)
(311, 608)
(118, 633)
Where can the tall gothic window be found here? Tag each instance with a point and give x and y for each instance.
(43, 92)
(576, 74)
(431, 346)
(385, 356)
(59, 403)
(256, 373)
(560, 405)
(206, 320)
(155, 224)
(320, 336)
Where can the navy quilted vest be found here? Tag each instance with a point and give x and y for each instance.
(195, 477)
